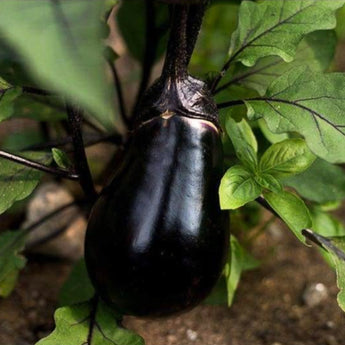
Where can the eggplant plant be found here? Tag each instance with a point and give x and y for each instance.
(245, 111)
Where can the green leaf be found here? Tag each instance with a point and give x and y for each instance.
(213, 43)
(322, 182)
(11, 262)
(289, 157)
(335, 246)
(131, 19)
(269, 182)
(277, 27)
(310, 104)
(61, 158)
(237, 188)
(244, 142)
(7, 98)
(4, 85)
(60, 44)
(292, 210)
(36, 108)
(18, 181)
(316, 50)
(73, 327)
(271, 137)
(21, 140)
(78, 287)
(326, 224)
(239, 261)
(219, 294)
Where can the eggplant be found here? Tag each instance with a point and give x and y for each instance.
(157, 240)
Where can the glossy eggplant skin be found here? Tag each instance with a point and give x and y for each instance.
(157, 241)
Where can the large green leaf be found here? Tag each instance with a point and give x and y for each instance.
(316, 50)
(276, 27)
(289, 157)
(292, 210)
(11, 243)
(86, 324)
(60, 44)
(309, 103)
(238, 187)
(40, 108)
(131, 19)
(322, 182)
(219, 22)
(18, 181)
(21, 140)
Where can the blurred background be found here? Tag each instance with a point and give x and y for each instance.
(290, 299)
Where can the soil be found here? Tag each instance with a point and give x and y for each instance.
(268, 308)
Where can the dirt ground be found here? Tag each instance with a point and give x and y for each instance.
(268, 309)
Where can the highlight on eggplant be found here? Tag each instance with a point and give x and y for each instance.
(157, 241)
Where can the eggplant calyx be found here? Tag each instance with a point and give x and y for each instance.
(185, 96)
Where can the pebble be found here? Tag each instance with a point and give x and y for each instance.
(191, 335)
(314, 294)
(331, 340)
(330, 324)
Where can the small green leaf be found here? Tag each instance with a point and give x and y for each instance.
(78, 287)
(277, 27)
(11, 262)
(4, 85)
(18, 181)
(219, 294)
(244, 141)
(237, 188)
(273, 138)
(335, 247)
(239, 261)
(73, 326)
(61, 158)
(322, 182)
(311, 104)
(7, 98)
(289, 157)
(292, 210)
(269, 182)
(340, 269)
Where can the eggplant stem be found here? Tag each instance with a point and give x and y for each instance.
(176, 62)
(126, 120)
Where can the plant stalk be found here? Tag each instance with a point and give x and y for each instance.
(38, 166)
(74, 123)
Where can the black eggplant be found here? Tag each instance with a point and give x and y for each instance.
(157, 241)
